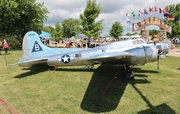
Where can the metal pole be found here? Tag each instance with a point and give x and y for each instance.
(5, 60)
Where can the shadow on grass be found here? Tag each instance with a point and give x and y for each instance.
(160, 109)
(32, 70)
(35, 70)
(98, 98)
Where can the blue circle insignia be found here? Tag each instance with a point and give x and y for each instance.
(65, 58)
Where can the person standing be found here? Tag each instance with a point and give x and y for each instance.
(68, 45)
(6, 46)
(0, 47)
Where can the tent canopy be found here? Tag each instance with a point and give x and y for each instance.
(45, 34)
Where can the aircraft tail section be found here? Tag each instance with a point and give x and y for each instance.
(32, 45)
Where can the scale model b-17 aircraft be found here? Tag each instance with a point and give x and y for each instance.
(123, 53)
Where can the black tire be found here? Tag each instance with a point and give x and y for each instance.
(128, 74)
(123, 68)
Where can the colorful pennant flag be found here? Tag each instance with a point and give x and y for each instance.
(128, 21)
(133, 14)
(145, 11)
(127, 14)
(141, 13)
(155, 8)
(160, 10)
(166, 14)
(164, 10)
(170, 17)
(175, 19)
(151, 9)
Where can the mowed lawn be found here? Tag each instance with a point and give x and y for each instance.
(75, 90)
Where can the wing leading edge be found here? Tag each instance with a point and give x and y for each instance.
(113, 57)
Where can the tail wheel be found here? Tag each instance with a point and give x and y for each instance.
(128, 74)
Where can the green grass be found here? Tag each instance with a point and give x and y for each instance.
(76, 90)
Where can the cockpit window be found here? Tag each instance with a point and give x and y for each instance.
(138, 42)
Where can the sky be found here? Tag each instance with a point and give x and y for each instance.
(112, 11)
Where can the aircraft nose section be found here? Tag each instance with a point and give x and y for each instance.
(163, 48)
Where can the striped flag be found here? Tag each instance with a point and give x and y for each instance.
(164, 10)
(141, 13)
(128, 21)
(155, 8)
(170, 17)
(145, 11)
(160, 10)
(127, 14)
(166, 14)
(151, 9)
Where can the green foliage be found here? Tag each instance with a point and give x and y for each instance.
(57, 32)
(131, 34)
(116, 30)
(20, 16)
(70, 27)
(153, 32)
(174, 10)
(14, 43)
(49, 29)
(88, 25)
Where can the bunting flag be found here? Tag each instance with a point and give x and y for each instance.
(145, 11)
(164, 10)
(166, 14)
(141, 13)
(155, 8)
(128, 21)
(175, 19)
(133, 14)
(127, 14)
(160, 10)
(151, 9)
(170, 17)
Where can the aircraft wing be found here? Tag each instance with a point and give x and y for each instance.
(114, 57)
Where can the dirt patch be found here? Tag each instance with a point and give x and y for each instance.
(174, 52)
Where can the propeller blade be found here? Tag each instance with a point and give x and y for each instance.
(158, 62)
(154, 42)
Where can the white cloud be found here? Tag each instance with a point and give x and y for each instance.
(112, 10)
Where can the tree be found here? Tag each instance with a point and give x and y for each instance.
(153, 32)
(58, 32)
(174, 10)
(131, 34)
(49, 29)
(20, 16)
(116, 30)
(70, 27)
(88, 25)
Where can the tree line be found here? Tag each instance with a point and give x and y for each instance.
(21, 16)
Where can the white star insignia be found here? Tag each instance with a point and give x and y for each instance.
(65, 59)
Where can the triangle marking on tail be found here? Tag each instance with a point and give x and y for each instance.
(36, 47)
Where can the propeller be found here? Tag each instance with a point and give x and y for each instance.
(158, 60)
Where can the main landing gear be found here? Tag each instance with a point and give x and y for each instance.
(128, 73)
(89, 66)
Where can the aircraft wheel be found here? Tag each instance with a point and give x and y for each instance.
(128, 74)
(123, 68)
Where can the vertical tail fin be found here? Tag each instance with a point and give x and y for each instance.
(32, 45)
